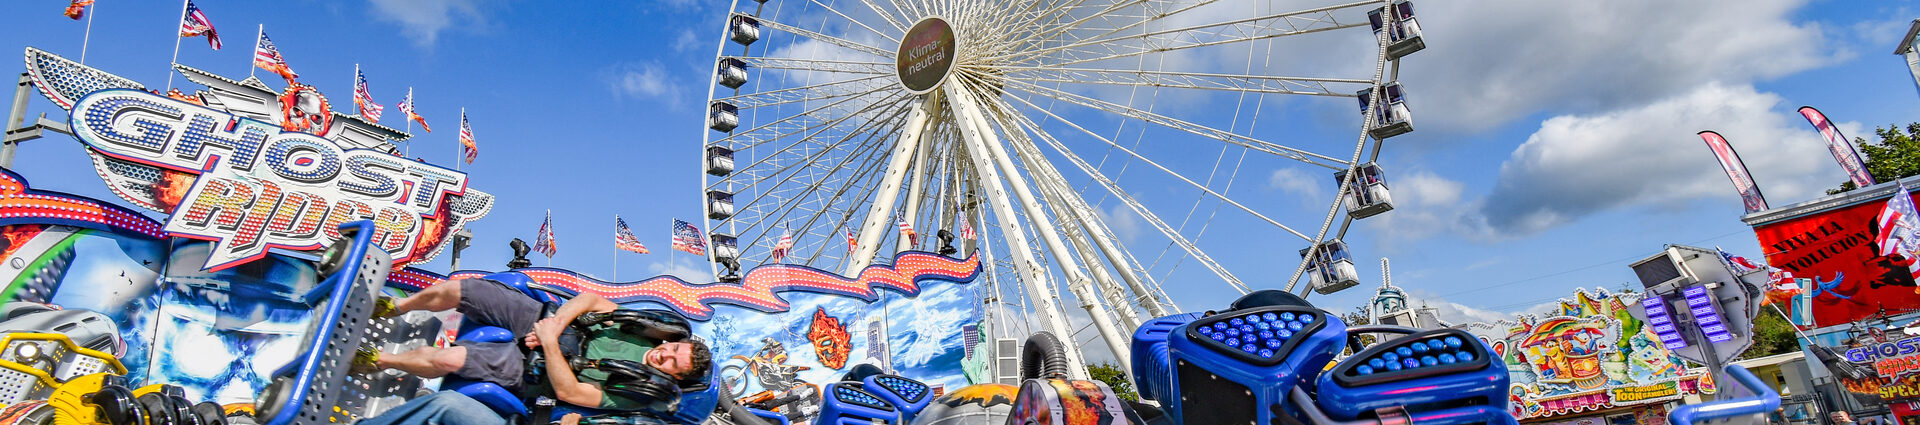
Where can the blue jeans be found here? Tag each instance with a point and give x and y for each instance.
(441, 408)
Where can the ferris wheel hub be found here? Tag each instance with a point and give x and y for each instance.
(926, 55)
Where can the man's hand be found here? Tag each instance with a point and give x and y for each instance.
(548, 331)
(533, 341)
(570, 419)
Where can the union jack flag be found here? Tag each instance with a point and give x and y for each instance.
(852, 242)
(363, 98)
(466, 138)
(781, 248)
(966, 230)
(406, 107)
(906, 229)
(195, 24)
(1897, 224)
(267, 57)
(544, 242)
(623, 237)
(687, 238)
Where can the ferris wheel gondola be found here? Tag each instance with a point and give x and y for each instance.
(843, 124)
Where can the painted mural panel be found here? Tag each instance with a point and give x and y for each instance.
(1589, 355)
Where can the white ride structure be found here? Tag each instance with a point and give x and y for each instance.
(841, 123)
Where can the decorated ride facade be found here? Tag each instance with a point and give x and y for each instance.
(1590, 362)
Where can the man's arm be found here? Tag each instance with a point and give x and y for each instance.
(566, 386)
(585, 302)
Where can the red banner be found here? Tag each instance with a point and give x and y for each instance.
(1736, 171)
(1836, 249)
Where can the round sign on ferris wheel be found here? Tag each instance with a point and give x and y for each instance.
(926, 55)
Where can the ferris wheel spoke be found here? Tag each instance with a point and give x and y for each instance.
(837, 41)
(1132, 204)
(1187, 80)
(813, 92)
(888, 14)
(816, 65)
(1177, 124)
(793, 147)
(850, 19)
(1237, 31)
(755, 138)
(865, 151)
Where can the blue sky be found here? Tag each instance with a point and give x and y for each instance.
(1555, 140)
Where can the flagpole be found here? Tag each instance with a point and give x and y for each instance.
(409, 121)
(90, 10)
(251, 69)
(463, 147)
(616, 248)
(176, 43)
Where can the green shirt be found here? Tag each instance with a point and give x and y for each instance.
(607, 342)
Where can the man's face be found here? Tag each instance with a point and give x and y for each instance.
(674, 358)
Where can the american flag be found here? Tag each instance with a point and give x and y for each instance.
(466, 138)
(544, 242)
(781, 248)
(406, 107)
(906, 229)
(686, 238)
(623, 237)
(1898, 223)
(364, 98)
(267, 57)
(1739, 264)
(966, 230)
(852, 242)
(195, 24)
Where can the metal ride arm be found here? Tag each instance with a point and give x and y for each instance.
(1764, 400)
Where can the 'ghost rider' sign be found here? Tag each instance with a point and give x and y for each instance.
(260, 187)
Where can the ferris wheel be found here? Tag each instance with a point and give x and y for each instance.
(834, 126)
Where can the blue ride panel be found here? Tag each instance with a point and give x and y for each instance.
(908, 395)
(1243, 363)
(846, 404)
(1440, 377)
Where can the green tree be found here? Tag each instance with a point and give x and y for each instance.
(1896, 156)
(1772, 335)
(1114, 377)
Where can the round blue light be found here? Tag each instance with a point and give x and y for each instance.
(1294, 325)
(1364, 370)
(1232, 341)
(1411, 363)
(1404, 351)
(1436, 344)
(1269, 316)
(1306, 318)
(1447, 359)
(1263, 325)
(1205, 330)
(1376, 363)
(1246, 328)
(1266, 353)
(1393, 366)
(1453, 342)
(1429, 361)
(1390, 357)
(1249, 348)
(1233, 332)
(1273, 343)
(1283, 333)
(1419, 348)
(1237, 322)
(1217, 336)
(1287, 316)
(1266, 334)
(1464, 356)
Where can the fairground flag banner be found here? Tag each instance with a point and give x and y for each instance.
(786, 244)
(195, 24)
(1740, 265)
(267, 57)
(78, 8)
(406, 107)
(544, 242)
(363, 98)
(1897, 225)
(686, 238)
(851, 242)
(906, 229)
(623, 237)
(1841, 147)
(966, 230)
(1736, 171)
(466, 138)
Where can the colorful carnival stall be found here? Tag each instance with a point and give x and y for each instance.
(1590, 362)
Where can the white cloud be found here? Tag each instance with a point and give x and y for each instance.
(1454, 313)
(1491, 61)
(1574, 166)
(1121, 220)
(422, 20)
(686, 41)
(685, 267)
(645, 81)
(1298, 183)
(1424, 204)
